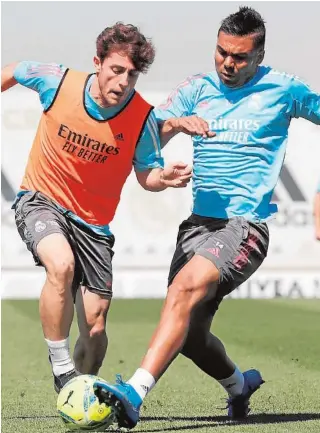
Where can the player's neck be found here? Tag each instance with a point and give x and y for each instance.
(95, 93)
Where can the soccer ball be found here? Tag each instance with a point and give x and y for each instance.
(80, 408)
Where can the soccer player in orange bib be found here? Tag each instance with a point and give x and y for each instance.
(93, 129)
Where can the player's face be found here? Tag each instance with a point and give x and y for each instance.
(117, 76)
(236, 59)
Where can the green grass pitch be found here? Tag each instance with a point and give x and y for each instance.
(280, 337)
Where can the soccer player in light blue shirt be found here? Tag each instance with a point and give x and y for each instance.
(236, 170)
(239, 117)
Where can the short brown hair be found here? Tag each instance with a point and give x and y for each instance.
(128, 39)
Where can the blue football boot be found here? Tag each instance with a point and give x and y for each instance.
(124, 399)
(238, 407)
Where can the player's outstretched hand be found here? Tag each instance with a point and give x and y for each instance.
(176, 175)
(192, 125)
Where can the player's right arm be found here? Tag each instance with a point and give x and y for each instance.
(175, 115)
(7, 77)
(44, 78)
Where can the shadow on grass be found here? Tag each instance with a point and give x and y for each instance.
(199, 422)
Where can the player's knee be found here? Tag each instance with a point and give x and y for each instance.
(98, 331)
(186, 293)
(97, 322)
(179, 294)
(60, 271)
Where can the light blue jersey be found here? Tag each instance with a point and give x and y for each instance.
(235, 172)
(45, 79)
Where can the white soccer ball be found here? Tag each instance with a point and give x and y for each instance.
(80, 408)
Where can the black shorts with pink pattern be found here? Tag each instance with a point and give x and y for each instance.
(237, 248)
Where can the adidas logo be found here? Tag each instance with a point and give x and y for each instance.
(119, 137)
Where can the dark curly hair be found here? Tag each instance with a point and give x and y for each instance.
(128, 39)
(246, 21)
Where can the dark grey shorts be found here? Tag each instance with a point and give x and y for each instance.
(235, 246)
(37, 217)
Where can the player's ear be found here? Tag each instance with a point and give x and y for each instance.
(260, 56)
(97, 64)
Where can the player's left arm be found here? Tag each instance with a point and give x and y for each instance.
(149, 165)
(305, 102)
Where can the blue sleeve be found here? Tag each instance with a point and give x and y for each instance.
(304, 101)
(44, 78)
(148, 150)
(180, 102)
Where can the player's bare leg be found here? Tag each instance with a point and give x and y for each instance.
(56, 303)
(189, 288)
(92, 343)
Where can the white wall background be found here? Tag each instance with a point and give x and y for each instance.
(183, 32)
(146, 223)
